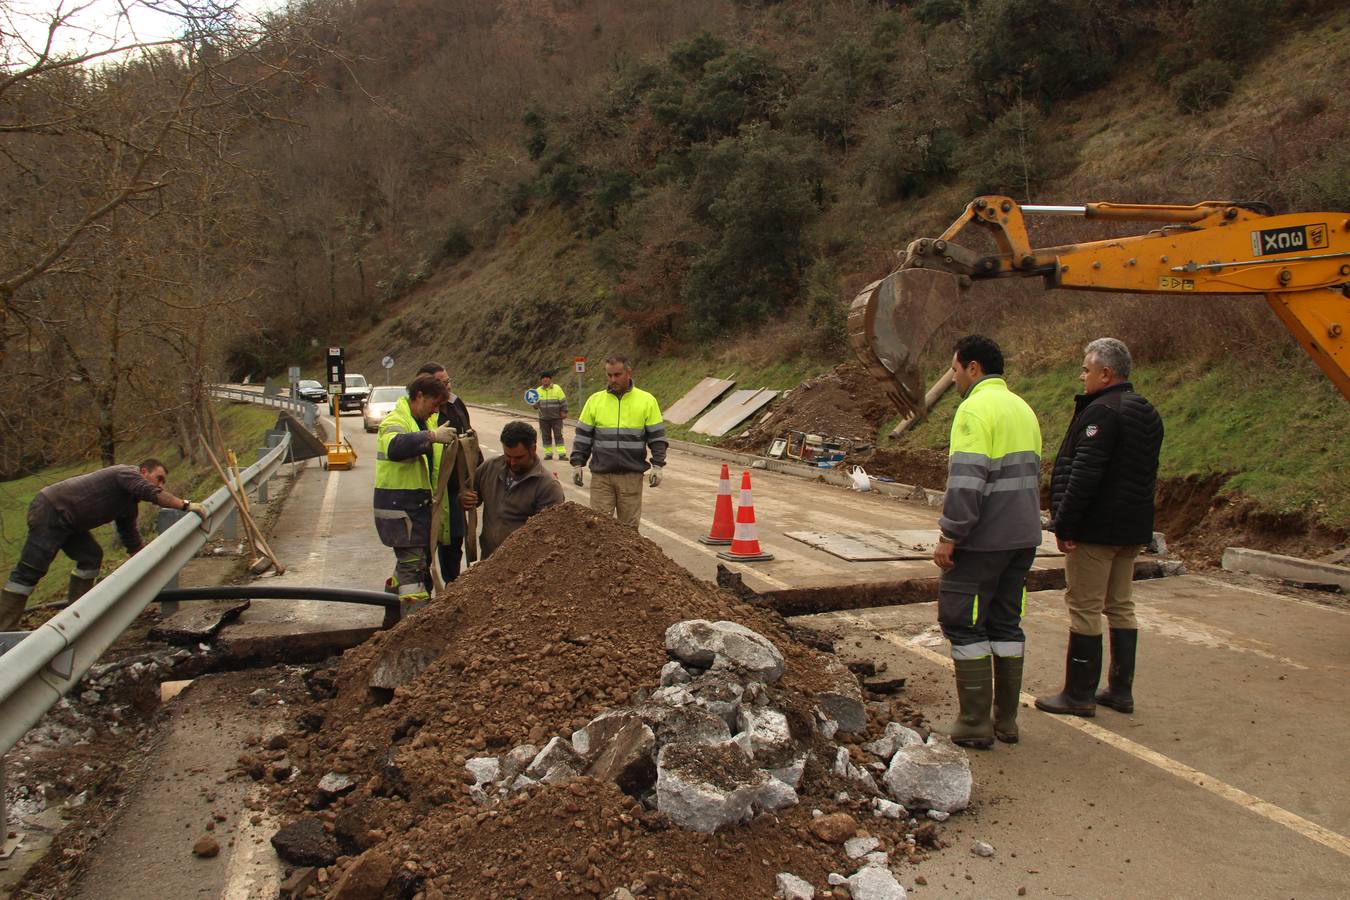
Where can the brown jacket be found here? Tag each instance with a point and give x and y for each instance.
(506, 509)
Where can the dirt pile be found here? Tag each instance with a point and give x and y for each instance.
(845, 402)
(566, 620)
(926, 468)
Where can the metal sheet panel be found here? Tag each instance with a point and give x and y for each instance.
(732, 411)
(874, 546)
(697, 400)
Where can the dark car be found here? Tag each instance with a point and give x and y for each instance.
(312, 391)
(354, 393)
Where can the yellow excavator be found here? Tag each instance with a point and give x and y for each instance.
(1299, 261)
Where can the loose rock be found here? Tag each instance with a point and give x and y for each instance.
(834, 828)
(875, 883)
(982, 848)
(705, 644)
(935, 775)
(790, 887)
(306, 843)
(206, 847)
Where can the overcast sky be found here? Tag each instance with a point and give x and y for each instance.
(98, 24)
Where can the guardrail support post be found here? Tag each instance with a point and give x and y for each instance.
(163, 522)
(270, 440)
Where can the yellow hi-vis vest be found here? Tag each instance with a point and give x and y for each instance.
(993, 499)
(402, 487)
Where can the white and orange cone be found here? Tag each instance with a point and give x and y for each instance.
(724, 525)
(745, 542)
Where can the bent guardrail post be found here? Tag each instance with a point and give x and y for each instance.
(46, 664)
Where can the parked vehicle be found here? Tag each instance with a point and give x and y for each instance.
(354, 394)
(380, 403)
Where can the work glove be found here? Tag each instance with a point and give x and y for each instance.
(198, 509)
(576, 476)
(445, 434)
(655, 479)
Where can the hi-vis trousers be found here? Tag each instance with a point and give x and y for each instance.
(981, 601)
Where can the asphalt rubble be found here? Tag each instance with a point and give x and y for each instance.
(578, 716)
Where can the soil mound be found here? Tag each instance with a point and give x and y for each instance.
(926, 468)
(567, 619)
(845, 403)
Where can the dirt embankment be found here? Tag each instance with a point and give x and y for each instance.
(565, 620)
(842, 403)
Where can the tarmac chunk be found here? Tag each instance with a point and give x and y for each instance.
(306, 843)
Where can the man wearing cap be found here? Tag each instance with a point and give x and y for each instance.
(552, 406)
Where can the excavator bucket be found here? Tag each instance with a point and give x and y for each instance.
(892, 320)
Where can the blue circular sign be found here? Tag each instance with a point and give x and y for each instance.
(531, 396)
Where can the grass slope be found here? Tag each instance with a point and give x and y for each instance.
(242, 425)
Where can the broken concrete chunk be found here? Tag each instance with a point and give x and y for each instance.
(836, 879)
(827, 727)
(874, 883)
(674, 673)
(397, 666)
(790, 887)
(877, 858)
(515, 761)
(335, 784)
(860, 846)
(843, 700)
(895, 737)
(484, 769)
(705, 644)
(982, 848)
(306, 843)
(776, 795)
(791, 774)
(688, 724)
(938, 815)
(767, 730)
(626, 758)
(887, 809)
(556, 752)
(845, 768)
(935, 775)
(704, 787)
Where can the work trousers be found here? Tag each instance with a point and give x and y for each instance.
(981, 601)
(551, 437)
(1099, 578)
(48, 534)
(412, 577)
(618, 493)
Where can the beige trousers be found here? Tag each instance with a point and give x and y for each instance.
(1099, 579)
(618, 493)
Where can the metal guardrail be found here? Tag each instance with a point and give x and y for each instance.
(46, 664)
(309, 412)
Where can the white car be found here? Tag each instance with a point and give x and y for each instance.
(380, 403)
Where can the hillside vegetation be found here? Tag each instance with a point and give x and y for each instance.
(701, 183)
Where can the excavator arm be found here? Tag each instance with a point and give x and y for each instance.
(1299, 261)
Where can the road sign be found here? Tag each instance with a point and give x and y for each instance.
(294, 373)
(387, 362)
(337, 368)
(579, 365)
(531, 397)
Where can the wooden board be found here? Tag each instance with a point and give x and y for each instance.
(732, 411)
(697, 400)
(880, 545)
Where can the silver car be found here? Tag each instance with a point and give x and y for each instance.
(381, 403)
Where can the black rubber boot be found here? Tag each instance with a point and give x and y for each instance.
(11, 610)
(975, 693)
(1007, 695)
(1082, 671)
(1118, 694)
(78, 587)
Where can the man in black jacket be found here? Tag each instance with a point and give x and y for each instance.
(1101, 511)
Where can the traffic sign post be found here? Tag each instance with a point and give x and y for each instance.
(388, 363)
(531, 397)
(579, 366)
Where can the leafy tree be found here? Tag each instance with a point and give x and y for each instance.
(1235, 30)
(1207, 86)
(688, 58)
(1043, 49)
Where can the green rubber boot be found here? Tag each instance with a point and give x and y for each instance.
(12, 606)
(975, 693)
(78, 587)
(1007, 697)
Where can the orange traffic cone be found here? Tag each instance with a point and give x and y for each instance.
(745, 543)
(723, 526)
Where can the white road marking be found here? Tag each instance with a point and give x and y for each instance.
(252, 873)
(1277, 814)
(324, 532)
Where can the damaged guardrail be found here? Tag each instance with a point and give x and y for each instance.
(42, 667)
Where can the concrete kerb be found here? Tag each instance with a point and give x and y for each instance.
(909, 492)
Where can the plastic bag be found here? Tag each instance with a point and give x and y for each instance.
(860, 480)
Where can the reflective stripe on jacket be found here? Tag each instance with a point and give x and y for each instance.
(993, 499)
(552, 403)
(403, 479)
(615, 432)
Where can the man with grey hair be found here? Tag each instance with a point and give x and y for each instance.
(1101, 511)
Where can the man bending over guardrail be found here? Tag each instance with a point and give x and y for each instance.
(62, 515)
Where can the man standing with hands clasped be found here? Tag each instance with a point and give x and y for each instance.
(1101, 511)
(616, 429)
(991, 527)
